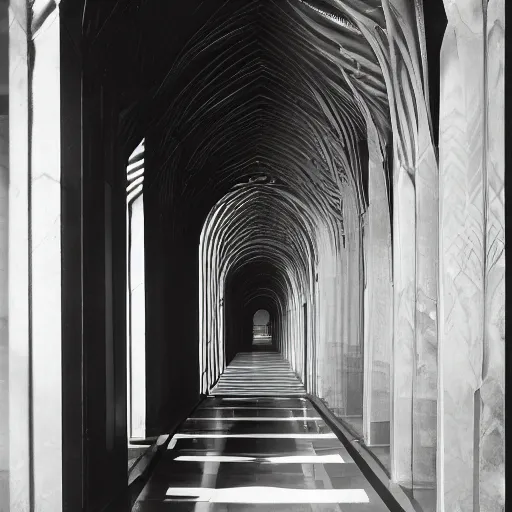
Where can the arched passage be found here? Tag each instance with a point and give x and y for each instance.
(261, 330)
(261, 318)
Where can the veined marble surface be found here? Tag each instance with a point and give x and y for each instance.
(378, 309)
(492, 418)
(35, 227)
(4, 339)
(471, 454)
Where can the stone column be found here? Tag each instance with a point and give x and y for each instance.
(492, 417)
(315, 317)
(345, 327)
(328, 364)
(415, 238)
(4, 339)
(378, 303)
(338, 346)
(35, 351)
(353, 355)
(320, 312)
(404, 304)
(415, 251)
(470, 454)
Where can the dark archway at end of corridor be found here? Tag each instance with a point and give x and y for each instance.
(242, 303)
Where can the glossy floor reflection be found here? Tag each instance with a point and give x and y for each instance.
(257, 454)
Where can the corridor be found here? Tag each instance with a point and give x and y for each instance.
(260, 449)
(272, 231)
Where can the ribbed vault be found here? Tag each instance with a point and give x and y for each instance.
(253, 88)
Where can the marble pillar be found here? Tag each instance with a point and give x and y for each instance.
(471, 350)
(35, 247)
(353, 354)
(345, 333)
(415, 251)
(378, 299)
(319, 310)
(309, 299)
(330, 340)
(424, 421)
(404, 305)
(4, 340)
(337, 346)
(492, 393)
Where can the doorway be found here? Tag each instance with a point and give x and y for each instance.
(261, 329)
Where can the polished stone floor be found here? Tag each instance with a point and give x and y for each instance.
(261, 341)
(259, 453)
(261, 374)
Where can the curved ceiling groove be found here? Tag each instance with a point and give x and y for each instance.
(266, 209)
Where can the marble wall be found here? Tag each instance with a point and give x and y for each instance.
(447, 371)
(471, 351)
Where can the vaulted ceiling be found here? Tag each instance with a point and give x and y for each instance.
(263, 101)
(241, 89)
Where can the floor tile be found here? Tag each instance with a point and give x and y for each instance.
(253, 452)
